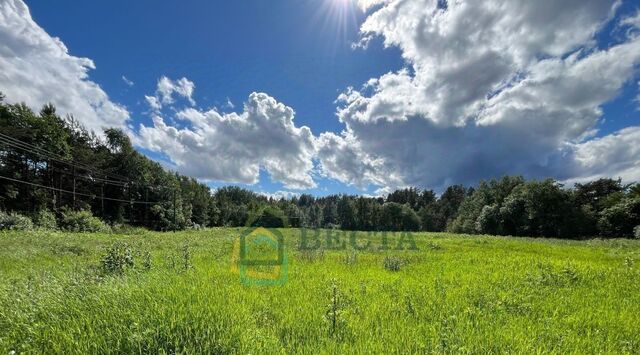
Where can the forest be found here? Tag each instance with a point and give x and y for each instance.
(52, 168)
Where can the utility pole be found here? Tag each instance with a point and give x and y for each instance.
(74, 187)
(174, 209)
(102, 199)
(146, 205)
(130, 207)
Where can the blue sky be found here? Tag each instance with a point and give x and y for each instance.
(227, 48)
(291, 49)
(454, 93)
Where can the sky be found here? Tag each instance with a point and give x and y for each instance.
(342, 96)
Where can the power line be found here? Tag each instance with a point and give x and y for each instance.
(79, 193)
(62, 171)
(61, 158)
(56, 157)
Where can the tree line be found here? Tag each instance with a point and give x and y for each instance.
(48, 162)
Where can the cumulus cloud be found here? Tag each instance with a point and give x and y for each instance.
(36, 68)
(153, 102)
(167, 87)
(343, 158)
(233, 147)
(165, 91)
(490, 88)
(612, 155)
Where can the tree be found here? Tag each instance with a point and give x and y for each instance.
(410, 220)
(488, 193)
(391, 217)
(346, 213)
(620, 219)
(449, 205)
(330, 214)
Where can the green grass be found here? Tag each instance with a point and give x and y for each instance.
(457, 294)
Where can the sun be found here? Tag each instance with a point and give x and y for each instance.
(338, 18)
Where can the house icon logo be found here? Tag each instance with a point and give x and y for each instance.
(259, 256)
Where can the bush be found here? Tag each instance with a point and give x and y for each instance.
(636, 232)
(269, 217)
(392, 263)
(119, 228)
(621, 219)
(81, 221)
(15, 221)
(118, 258)
(45, 219)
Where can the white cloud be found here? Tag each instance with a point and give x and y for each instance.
(165, 91)
(615, 155)
(127, 81)
(229, 104)
(167, 87)
(36, 68)
(491, 88)
(342, 158)
(234, 147)
(153, 102)
(633, 20)
(280, 194)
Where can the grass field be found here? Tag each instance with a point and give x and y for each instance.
(457, 294)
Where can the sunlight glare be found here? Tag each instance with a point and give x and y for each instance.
(338, 17)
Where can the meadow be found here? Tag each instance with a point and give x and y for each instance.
(148, 292)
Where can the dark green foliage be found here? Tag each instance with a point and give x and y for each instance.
(490, 194)
(620, 219)
(269, 217)
(81, 221)
(513, 206)
(45, 219)
(117, 259)
(15, 221)
(60, 156)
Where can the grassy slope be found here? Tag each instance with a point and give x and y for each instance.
(457, 294)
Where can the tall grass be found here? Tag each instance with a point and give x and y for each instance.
(457, 294)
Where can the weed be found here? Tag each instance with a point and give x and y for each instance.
(146, 261)
(118, 258)
(351, 258)
(334, 312)
(393, 263)
(186, 257)
(629, 262)
(311, 256)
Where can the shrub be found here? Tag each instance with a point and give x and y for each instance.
(81, 221)
(119, 228)
(118, 258)
(269, 217)
(45, 219)
(619, 220)
(392, 263)
(636, 232)
(15, 221)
